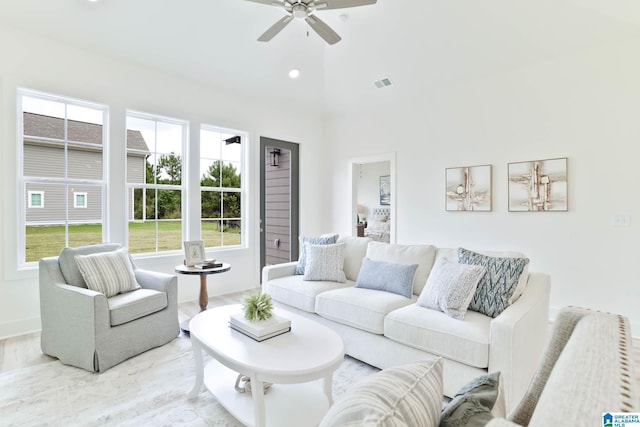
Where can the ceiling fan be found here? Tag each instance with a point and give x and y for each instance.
(304, 9)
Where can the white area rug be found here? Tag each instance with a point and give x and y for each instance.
(147, 390)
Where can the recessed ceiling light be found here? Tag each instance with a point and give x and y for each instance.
(294, 73)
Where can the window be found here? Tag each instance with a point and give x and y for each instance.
(61, 151)
(221, 186)
(155, 147)
(36, 199)
(79, 200)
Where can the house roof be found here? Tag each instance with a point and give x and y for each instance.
(42, 126)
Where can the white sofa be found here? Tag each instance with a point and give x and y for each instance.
(384, 329)
(585, 378)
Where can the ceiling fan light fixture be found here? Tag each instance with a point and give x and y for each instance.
(299, 10)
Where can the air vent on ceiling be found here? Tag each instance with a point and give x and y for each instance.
(384, 82)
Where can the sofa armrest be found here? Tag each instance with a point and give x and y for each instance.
(518, 337)
(276, 271)
(161, 282)
(155, 280)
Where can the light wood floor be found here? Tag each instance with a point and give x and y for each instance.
(22, 351)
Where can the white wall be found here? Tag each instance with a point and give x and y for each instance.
(584, 106)
(36, 63)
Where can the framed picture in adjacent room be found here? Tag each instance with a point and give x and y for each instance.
(385, 190)
(538, 186)
(193, 252)
(468, 188)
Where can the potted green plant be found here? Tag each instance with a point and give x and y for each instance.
(257, 307)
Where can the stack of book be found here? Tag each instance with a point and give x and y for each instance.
(210, 263)
(260, 330)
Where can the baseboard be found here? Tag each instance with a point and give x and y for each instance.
(20, 327)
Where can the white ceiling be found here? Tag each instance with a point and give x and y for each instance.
(418, 43)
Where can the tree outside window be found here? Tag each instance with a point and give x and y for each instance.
(154, 177)
(221, 187)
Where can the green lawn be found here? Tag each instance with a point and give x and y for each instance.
(48, 240)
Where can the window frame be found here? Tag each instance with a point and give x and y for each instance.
(131, 187)
(242, 190)
(23, 181)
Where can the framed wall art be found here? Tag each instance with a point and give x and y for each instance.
(538, 186)
(385, 190)
(468, 188)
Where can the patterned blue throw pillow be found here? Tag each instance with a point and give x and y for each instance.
(322, 240)
(498, 283)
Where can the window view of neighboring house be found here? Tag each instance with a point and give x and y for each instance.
(62, 172)
(46, 153)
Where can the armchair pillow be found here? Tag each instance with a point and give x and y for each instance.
(109, 273)
(69, 266)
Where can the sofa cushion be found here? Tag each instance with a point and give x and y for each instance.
(328, 239)
(407, 395)
(423, 255)
(69, 267)
(298, 293)
(465, 341)
(109, 273)
(476, 403)
(355, 249)
(498, 284)
(359, 307)
(130, 306)
(387, 276)
(325, 262)
(450, 287)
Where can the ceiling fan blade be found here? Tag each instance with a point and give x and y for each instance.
(340, 4)
(323, 29)
(275, 29)
(269, 2)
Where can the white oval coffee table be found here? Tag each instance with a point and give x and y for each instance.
(300, 364)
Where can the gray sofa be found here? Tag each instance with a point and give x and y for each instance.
(384, 329)
(84, 328)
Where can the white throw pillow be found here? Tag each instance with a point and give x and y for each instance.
(450, 287)
(325, 262)
(407, 395)
(109, 273)
(325, 239)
